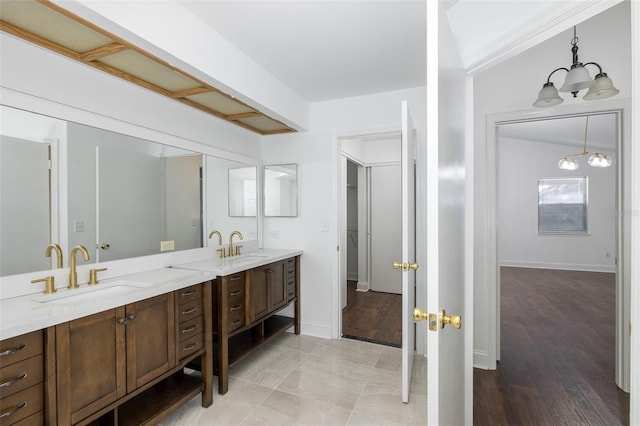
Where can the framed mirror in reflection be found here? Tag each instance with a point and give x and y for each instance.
(281, 190)
(117, 195)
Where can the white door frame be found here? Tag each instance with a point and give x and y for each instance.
(623, 284)
(421, 202)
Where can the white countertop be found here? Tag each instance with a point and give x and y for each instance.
(233, 264)
(32, 312)
(26, 313)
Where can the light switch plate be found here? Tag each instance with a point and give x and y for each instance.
(167, 245)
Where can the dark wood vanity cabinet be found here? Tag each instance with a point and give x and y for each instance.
(125, 365)
(22, 379)
(247, 304)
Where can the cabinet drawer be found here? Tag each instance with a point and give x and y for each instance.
(189, 294)
(236, 293)
(188, 329)
(36, 419)
(20, 347)
(190, 346)
(21, 375)
(21, 405)
(189, 310)
(236, 319)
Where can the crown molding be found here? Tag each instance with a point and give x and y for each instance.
(559, 17)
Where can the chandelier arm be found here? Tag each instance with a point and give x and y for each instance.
(597, 65)
(554, 71)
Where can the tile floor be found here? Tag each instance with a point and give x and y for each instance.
(302, 380)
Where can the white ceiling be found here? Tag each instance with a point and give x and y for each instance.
(326, 50)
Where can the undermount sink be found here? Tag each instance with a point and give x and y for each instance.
(91, 294)
(245, 258)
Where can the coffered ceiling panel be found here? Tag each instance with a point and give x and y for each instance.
(50, 26)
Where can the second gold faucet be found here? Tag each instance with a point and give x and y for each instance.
(73, 275)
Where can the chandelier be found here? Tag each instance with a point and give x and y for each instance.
(577, 78)
(596, 159)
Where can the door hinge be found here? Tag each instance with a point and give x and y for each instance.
(338, 248)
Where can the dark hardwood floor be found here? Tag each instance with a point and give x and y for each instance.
(558, 353)
(372, 316)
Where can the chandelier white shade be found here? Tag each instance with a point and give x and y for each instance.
(576, 79)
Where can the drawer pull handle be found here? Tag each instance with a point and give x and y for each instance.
(190, 311)
(123, 321)
(133, 317)
(188, 293)
(17, 379)
(235, 308)
(20, 347)
(235, 293)
(190, 347)
(236, 322)
(236, 278)
(190, 329)
(14, 410)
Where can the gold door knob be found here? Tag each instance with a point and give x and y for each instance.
(419, 314)
(405, 266)
(454, 321)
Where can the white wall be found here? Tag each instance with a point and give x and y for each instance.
(314, 230)
(521, 164)
(513, 86)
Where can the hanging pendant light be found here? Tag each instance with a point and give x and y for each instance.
(596, 159)
(577, 78)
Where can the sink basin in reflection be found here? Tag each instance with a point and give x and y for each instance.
(90, 294)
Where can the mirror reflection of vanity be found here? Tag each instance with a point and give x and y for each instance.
(118, 195)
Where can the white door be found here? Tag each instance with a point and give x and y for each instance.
(130, 212)
(385, 227)
(449, 364)
(408, 250)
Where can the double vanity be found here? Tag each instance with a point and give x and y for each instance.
(127, 351)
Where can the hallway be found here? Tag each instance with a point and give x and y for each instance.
(558, 352)
(372, 316)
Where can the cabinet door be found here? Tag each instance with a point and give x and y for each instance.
(277, 285)
(91, 364)
(150, 339)
(258, 293)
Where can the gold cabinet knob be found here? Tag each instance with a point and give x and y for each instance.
(454, 321)
(105, 246)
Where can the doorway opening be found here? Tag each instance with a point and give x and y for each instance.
(372, 290)
(527, 152)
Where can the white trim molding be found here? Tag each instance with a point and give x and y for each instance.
(557, 18)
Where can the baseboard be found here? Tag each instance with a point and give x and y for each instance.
(560, 266)
(363, 286)
(315, 330)
(352, 276)
(481, 359)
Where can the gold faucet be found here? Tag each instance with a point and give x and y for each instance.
(214, 232)
(73, 276)
(56, 247)
(231, 242)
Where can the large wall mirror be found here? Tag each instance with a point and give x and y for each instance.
(117, 195)
(281, 190)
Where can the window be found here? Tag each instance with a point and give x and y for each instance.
(562, 205)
